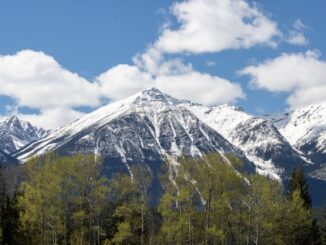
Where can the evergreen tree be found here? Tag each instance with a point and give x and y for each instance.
(295, 223)
(3, 202)
(10, 227)
(315, 234)
(9, 215)
(324, 227)
(299, 182)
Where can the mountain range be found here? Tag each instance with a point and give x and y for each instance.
(151, 126)
(16, 133)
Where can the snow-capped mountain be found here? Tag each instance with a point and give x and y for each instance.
(261, 142)
(16, 133)
(144, 128)
(151, 126)
(305, 129)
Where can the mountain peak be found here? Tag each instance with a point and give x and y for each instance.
(155, 95)
(231, 107)
(152, 91)
(12, 122)
(12, 118)
(15, 133)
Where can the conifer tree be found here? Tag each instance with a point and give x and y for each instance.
(9, 215)
(3, 201)
(324, 227)
(299, 182)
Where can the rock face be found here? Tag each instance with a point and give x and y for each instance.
(15, 133)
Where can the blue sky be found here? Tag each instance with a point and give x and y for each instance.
(91, 37)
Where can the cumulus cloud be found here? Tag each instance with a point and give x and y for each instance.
(172, 76)
(216, 25)
(184, 83)
(154, 62)
(302, 75)
(122, 81)
(35, 80)
(204, 26)
(200, 87)
(52, 118)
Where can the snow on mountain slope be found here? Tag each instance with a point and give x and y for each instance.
(15, 133)
(152, 126)
(145, 127)
(258, 138)
(305, 129)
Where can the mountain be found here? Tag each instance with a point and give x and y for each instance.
(145, 128)
(151, 127)
(16, 133)
(305, 129)
(261, 142)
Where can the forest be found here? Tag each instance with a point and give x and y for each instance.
(67, 200)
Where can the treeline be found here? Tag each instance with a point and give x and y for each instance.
(68, 201)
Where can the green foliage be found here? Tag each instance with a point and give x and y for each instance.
(124, 234)
(209, 202)
(206, 201)
(309, 233)
(62, 199)
(298, 182)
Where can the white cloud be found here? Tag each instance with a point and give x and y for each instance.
(154, 62)
(297, 38)
(302, 75)
(296, 35)
(205, 26)
(35, 80)
(307, 96)
(200, 87)
(52, 118)
(216, 25)
(172, 76)
(124, 80)
(298, 25)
